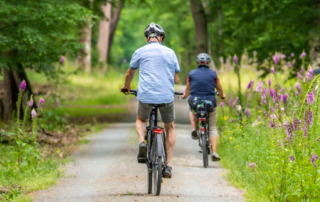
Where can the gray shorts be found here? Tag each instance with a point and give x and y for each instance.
(167, 112)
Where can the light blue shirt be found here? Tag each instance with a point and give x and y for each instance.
(158, 65)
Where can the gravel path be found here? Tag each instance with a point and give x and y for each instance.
(107, 170)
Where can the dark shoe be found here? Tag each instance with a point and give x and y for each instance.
(215, 157)
(142, 153)
(194, 135)
(167, 172)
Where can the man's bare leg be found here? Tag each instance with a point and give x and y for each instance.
(141, 128)
(170, 140)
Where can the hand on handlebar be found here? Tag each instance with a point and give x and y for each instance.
(183, 96)
(223, 97)
(125, 90)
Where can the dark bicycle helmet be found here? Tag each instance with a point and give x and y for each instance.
(203, 59)
(154, 31)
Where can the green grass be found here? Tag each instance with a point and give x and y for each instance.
(83, 142)
(74, 112)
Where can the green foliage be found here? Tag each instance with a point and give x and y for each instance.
(264, 26)
(37, 33)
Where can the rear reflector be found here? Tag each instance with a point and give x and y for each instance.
(202, 119)
(157, 131)
(203, 129)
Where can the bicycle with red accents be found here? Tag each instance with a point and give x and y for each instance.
(156, 148)
(203, 120)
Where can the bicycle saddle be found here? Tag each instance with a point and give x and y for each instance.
(157, 105)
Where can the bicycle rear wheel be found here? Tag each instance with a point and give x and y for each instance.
(157, 176)
(149, 181)
(149, 166)
(204, 150)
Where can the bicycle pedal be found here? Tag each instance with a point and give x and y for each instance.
(200, 151)
(168, 177)
(142, 160)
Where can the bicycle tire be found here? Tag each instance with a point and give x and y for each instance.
(204, 150)
(157, 174)
(149, 171)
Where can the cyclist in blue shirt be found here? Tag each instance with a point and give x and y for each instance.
(158, 73)
(201, 85)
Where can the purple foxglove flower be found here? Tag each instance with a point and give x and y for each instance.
(221, 104)
(285, 97)
(250, 85)
(236, 100)
(282, 90)
(23, 85)
(294, 127)
(33, 113)
(252, 165)
(36, 92)
(57, 103)
(235, 59)
(298, 87)
(310, 98)
(72, 97)
(283, 56)
(125, 60)
(301, 70)
(313, 159)
(280, 97)
(292, 54)
(288, 133)
(303, 55)
(282, 109)
(291, 158)
(290, 89)
(259, 86)
(30, 103)
(41, 101)
(249, 96)
(309, 74)
(310, 117)
(269, 82)
(231, 101)
(272, 109)
(276, 59)
(271, 124)
(259, 119)
(272, 93)
(299, 121)
(240, 191)
(272, 70)
(299, 76)
(62, 60)
(250, 60)
(247, 112)
(305, 131)
(254, 53)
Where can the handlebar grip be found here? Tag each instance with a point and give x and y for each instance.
(178, 93)
(124, 90)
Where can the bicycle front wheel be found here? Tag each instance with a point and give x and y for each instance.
(204, 150)
(157, 176)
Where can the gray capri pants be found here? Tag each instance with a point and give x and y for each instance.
(167, 112)
(212, 122)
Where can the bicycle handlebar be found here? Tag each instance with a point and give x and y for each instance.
(135, 92)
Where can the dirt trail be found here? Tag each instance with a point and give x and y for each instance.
(107, 170)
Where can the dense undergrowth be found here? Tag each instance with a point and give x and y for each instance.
(270, 142)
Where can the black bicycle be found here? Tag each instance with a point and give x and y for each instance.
(156, 148)
(203, 120)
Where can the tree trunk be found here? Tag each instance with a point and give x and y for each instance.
(11, 84)
(7, 94)
(86, 40)
(200, 24)
(315, 44)
(113, 25)
(104, 33)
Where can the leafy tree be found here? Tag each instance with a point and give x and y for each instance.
(35, 34)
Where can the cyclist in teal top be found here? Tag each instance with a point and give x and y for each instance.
(158, 73)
